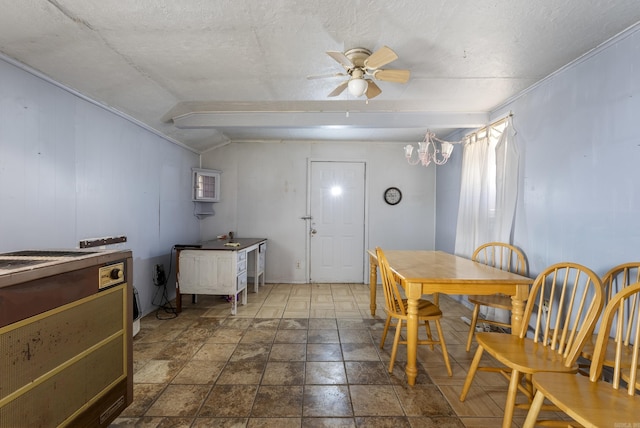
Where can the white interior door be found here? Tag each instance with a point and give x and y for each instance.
(336, 233)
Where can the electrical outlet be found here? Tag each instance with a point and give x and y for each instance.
(298, 264)
(159, 276)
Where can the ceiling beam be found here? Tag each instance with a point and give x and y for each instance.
(356, 119)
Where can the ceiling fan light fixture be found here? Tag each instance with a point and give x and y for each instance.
(357, 86)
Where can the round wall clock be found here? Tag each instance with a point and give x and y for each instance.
(392, 196)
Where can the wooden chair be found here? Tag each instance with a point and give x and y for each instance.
(562, 309)
(396, 308)
(502, 256)
(591, 401)
(614, 281)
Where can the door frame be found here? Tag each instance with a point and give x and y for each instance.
(365, 219)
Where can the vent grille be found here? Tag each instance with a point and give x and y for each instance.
(54, 364)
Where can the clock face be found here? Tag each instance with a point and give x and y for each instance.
(392, 195)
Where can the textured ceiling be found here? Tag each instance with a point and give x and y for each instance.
(205, 72)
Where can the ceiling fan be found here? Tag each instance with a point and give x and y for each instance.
(360, 64)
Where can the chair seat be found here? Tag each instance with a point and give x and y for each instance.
(610, 354)
(589, 403)
(397, 307)
(523, 355)
(494, 300)
(426, 308)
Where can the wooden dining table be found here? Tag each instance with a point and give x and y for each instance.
(429, 272)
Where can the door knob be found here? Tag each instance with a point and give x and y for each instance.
(313, 231)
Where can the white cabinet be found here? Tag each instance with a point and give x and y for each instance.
(206, 190)
(215, 268)
(206, 185)
(214, 272)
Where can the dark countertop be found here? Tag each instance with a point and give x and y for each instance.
(219, 244)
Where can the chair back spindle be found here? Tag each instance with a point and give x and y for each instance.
(565, 297)
(628, 326)
(393, 298)
(501, 256)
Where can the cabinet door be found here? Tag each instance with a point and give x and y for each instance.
(207, 272)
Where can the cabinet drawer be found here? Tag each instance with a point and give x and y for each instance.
(242, 266)
(242, 282)
(242, 256)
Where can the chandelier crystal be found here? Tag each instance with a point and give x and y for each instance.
(428, 151)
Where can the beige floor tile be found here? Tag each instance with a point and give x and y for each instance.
(298, 305)
(158, 371)
(179, 400)
(199, 372)
(284, 373)
(325, 373)
(242, 373)
(215, 351)
(270, 312)
(226, 335)
(278, 401)
(288, 352)
(327, 400)
(274, 423)
(291, 336)
(375, 400)
(301, 355)
(229, 401)
(295, 314)
(322, 313)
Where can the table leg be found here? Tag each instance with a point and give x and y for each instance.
(413, 292)
(373, 283)
(178, 295)
(517, 308)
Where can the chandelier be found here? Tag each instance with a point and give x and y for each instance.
(428, 151)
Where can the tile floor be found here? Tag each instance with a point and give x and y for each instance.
(300, 355)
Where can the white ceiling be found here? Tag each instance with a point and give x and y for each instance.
(205, 72)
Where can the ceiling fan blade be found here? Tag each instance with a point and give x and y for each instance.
(326, 76)
(338, 90)
(398, 76)
(341, 58)
(372, 90)
(381, 57)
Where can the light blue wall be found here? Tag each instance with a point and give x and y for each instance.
(448, 195)
(579, 193)
(72, 170)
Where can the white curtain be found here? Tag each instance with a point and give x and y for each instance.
(507, 161)
(474, 165)
(488, 194)
(488, 191)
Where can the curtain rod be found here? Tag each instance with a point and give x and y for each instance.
(488, 127)
(496, 123)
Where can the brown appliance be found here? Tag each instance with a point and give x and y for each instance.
(65, 337)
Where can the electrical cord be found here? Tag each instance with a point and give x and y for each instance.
(160, 279)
